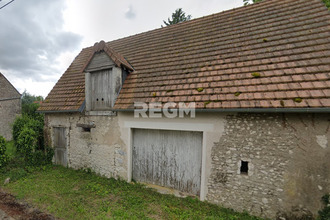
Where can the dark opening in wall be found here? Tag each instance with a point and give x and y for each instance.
(86, 129)
(244, 167)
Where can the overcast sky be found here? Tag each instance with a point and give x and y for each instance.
(39, 38)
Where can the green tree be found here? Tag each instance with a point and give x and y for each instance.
(28, 131)
(3, 155)
(177, 17)
(247, 2)
(327, 3)
(324, 214)
(30, 104)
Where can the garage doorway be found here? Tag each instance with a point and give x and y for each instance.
(168, 158)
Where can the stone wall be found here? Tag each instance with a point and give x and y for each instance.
(10, 107)
(288, 160)
(101, 149)
(287, 155)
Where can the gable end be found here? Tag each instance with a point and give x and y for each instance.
(100, 61)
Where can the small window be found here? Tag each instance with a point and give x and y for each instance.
(244, 167)
(86, 129)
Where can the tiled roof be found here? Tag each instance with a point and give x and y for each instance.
(117, 58)
(272, 54)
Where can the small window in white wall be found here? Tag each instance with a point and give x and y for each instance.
(244, 167)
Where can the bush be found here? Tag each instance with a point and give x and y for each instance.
(29, 140)
(28, 133)
(28, 147)
(36, 124)
(324, 214)
(3, 156)
(18, 126)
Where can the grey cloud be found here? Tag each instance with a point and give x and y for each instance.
(30, 29)
(130, 13)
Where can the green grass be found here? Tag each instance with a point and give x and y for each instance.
(71, 194)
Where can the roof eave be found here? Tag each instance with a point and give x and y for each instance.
(250, 110)
(80, 110)
(58, 111)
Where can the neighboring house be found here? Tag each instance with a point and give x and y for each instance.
(10, 107)
(259, 76)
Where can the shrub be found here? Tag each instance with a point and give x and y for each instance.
(28, 147)
(3, 156)
(324, 214)
(36, 124)
(27, 142)
(28, 134)
(39, 157)
(18, 126)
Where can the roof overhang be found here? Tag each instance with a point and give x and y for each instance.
(246, 110)
(60, 111)
(80, 110)
(229, 110)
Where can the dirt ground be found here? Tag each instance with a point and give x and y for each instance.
(11, 209)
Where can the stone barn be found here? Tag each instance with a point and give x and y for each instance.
(232, 108)
(10, 106)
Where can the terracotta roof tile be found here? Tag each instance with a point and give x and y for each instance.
(282, 56)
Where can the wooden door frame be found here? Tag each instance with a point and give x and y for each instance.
(198, 127)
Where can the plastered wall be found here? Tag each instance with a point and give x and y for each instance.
(287, 154)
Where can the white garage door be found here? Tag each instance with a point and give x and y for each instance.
(168, 158)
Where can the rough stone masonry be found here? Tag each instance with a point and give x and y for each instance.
(288, 163)
(10, 107)
(267, 164)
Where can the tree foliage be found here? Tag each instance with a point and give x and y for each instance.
(30, 104)
(28, 132)
(29, 140)
(30, 118)
(35, 124)
(327, 3)
(177, 17)
(247, 2)
(324, 214)
(3, 155)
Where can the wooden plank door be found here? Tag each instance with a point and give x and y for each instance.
(168, 158)
(101, 90)
(60, 146)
